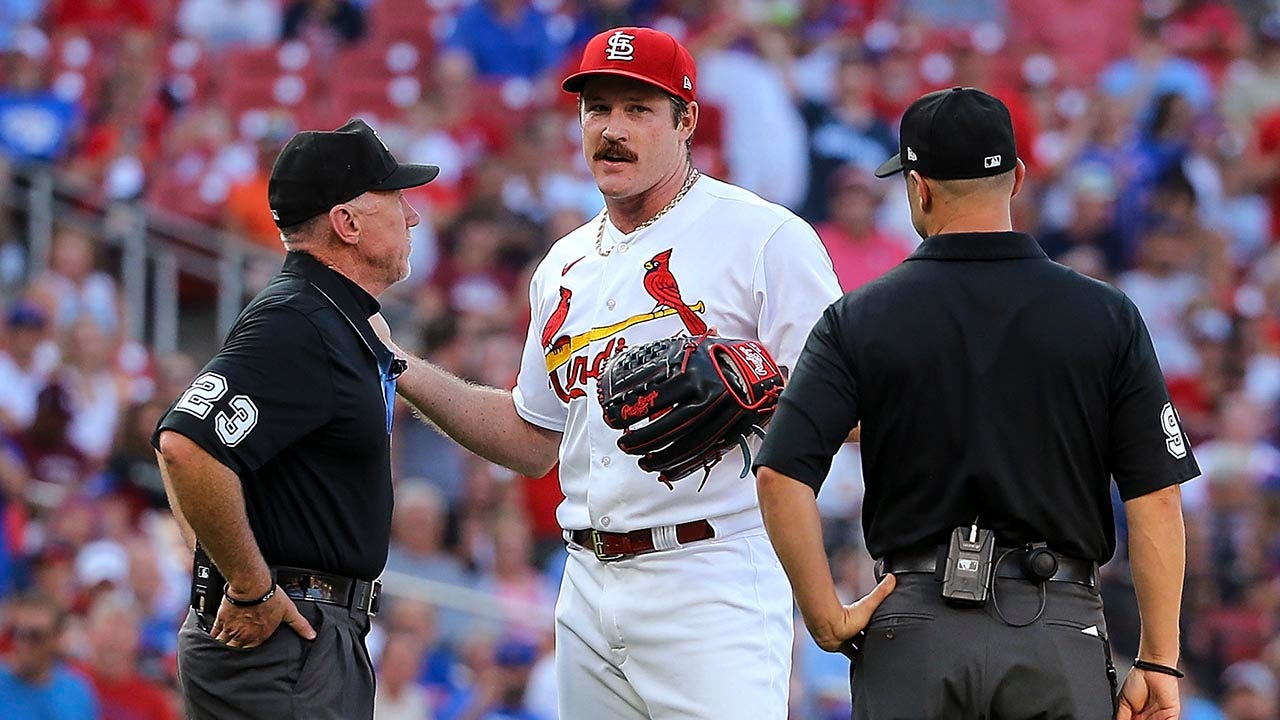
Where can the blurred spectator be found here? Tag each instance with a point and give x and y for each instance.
(325, 24)
(34, 682)
(1080, 36)
(1153, 70)
(1236, 463)
(421, 451)
(541, 181)
(417, 546)
(247, 212)
(96, 398)
(506, 39)
(742, 69)
(520, 589)
(221, 24)
(1163, 286)
(860, 252)
(1250, 692)
(1208, 32)
(400, 696)
(845, 131)
(1253, 87)
(46, 451)
(112, 664)
(437, 671)
(501, 686)
(1267, 167)
(1093, 219)
(132, 465)
(473, 277)
(36, 124)
(78, 289)
(26, 360)
(1157, 153)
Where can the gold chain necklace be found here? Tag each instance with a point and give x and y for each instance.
(604, 218)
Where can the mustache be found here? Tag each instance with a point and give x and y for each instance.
(615, 149)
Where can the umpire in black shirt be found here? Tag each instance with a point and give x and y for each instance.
(276, 460)
(998, 395)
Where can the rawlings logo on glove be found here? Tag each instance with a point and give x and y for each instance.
(684, 402)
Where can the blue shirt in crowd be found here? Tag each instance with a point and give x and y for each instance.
(66, 696)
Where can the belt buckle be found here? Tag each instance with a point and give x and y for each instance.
(597, 546)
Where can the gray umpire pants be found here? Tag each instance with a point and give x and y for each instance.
(286, 677)
(924, 659)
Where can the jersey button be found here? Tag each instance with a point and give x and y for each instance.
(622, 247)
(606, 460)
(611, 304)
(605, 521)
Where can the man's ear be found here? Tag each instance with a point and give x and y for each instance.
(345, 223)
(923, 190)
(689, 121)
(1019, 174)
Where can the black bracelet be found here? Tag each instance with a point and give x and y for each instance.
(226, 593)
(1157, 667)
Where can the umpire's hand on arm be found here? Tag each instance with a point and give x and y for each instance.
(790, 511)
(479, 418)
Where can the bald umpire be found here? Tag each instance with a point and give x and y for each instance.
(276, 460)
(998, 394)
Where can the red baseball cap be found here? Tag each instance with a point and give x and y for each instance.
(641, 53)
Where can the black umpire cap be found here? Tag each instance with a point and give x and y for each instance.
(318, 169)
(955, 134)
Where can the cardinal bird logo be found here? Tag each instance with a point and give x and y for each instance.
(661, 286)
(556, 321)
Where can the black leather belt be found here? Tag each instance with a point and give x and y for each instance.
(350, 593)
(927, 560)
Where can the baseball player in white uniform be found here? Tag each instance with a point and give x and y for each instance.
(673, 603)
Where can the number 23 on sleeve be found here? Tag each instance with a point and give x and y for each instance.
(206, 390)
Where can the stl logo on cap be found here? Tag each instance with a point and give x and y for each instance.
(620, 47)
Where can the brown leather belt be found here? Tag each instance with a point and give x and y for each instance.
(609, 546)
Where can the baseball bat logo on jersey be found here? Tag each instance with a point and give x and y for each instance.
(562, 349)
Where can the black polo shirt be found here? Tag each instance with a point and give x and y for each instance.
(990, 382)
(295, 404)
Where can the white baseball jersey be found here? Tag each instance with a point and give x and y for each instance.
(747, 268)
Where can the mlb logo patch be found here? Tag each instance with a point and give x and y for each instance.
(991, 161)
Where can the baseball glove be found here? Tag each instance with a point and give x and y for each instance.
(683, 402)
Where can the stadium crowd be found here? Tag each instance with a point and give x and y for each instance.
(1151, 129)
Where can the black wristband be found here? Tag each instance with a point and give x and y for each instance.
(1157, 667)
(226, 593)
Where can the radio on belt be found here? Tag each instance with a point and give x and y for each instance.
(969, 565)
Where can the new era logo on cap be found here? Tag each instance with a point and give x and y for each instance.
(620, 47)
(688, 84)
